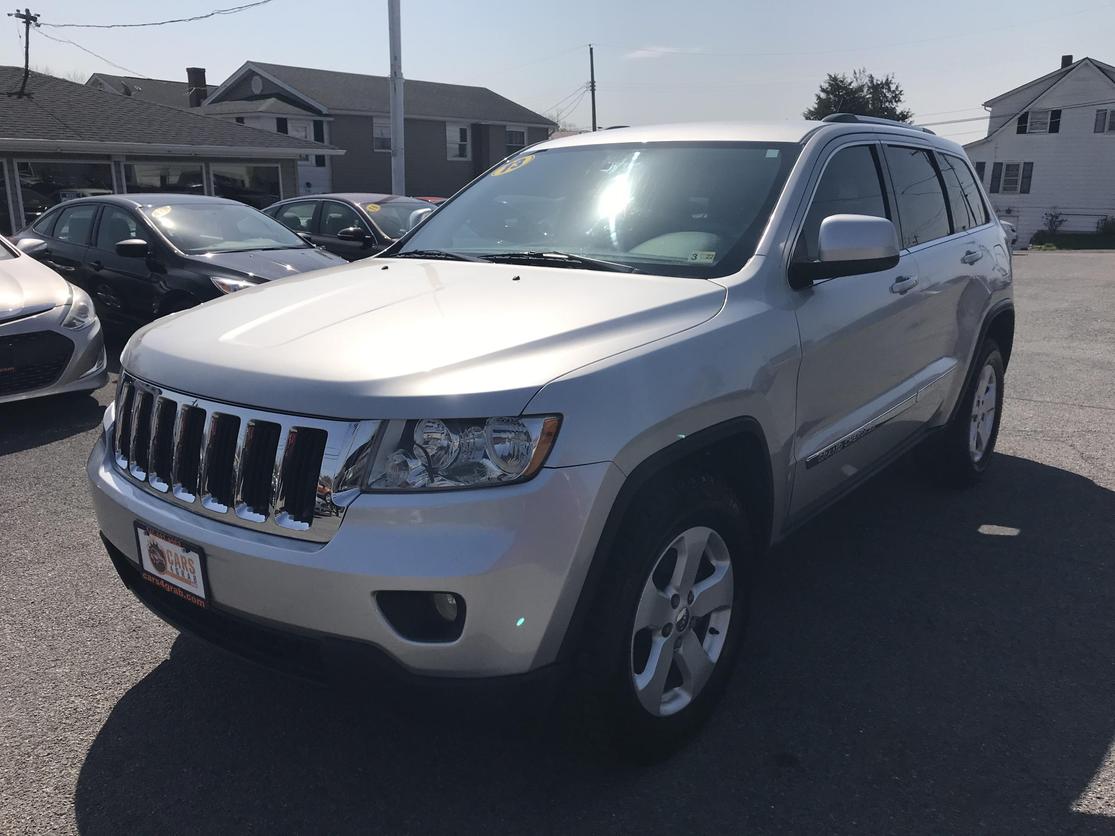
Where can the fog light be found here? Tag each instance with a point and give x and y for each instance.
(446, 605)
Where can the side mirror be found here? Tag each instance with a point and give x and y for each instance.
(133, 248)
(31, 246)
(849, 245)
(355, 233)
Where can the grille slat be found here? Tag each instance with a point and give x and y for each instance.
(245, 467)
(220, 461)
(123, 427)
(162, 444)
(141, 434)
(301, 465)
(189, 431)
(253, 490)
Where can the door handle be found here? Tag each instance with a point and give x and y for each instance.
(903, 284)
(95, 266)
(61, 268)
(971, 257)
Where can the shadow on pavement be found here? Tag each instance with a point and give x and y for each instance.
(904, 673)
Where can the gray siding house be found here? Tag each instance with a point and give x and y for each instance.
(68, 140)
(453, 132)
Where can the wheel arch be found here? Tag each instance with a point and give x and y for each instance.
(736, 450)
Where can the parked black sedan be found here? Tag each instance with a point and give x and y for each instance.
(143, 256)
(352, 225)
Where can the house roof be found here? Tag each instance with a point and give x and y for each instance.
(338, 91)
(174, 93)
(246, 106)
(1045, 82)
(60, 115)
(1040, 86)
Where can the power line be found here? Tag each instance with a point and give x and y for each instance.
(229, 11)
(91, 52)
(565, 98)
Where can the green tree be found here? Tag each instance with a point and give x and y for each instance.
(861, 93)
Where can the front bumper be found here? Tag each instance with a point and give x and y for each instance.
(517, 555)
(87, 368)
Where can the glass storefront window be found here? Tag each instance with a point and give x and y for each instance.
(255, 185)
(46, 184)
(182, 178)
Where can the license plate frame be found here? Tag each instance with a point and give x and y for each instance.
(183, 571)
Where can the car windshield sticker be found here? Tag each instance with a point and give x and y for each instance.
(772, 153)
(160, 212)
(703, 256)
(372, 208)
(513, 165)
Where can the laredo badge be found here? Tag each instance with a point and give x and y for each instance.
(513, 165)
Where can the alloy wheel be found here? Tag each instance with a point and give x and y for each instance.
(984, 406)
(682, 620)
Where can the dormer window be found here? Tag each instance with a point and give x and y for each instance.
(1039, 122)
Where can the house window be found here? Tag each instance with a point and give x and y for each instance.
(281, 124)
(979, 170)
(1105, 121)
(319, 136)
(516, 139)
(1039, 122)
(381, 136)
(239, 120)
(1011, 178)
(457, 141)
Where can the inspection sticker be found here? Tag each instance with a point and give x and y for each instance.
(513, 165)
(372, 208)
(160, 212)
(703, 256)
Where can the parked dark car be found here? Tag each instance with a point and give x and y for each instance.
(146, 255)
(352, 225)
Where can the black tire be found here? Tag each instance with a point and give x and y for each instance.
(608, 711)
(950, 452)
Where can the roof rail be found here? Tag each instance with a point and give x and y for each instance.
(873, 120)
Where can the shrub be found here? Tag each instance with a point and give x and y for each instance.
(1053, 220)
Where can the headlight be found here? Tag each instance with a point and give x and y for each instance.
(437, 454)
(81, 313)
(230, 285)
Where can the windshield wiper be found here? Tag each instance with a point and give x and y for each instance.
(555, 258)
(445, 254)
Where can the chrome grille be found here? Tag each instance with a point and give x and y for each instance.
(283, 474)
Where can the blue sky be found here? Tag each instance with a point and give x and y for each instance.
(656, 61)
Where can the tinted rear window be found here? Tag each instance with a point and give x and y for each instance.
(921, 201)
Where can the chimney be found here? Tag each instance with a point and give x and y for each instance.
(1066, 61)
(197, 89)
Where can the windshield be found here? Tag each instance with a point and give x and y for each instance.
(689, 209)
(220, 228)
(398, 217)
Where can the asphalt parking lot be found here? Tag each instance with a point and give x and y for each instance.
(919, 661)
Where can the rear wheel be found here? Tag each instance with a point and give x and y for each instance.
(965, 448)
(669, 619)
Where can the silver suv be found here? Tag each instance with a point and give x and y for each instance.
(555, 426)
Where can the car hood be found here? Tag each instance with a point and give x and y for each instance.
(272, 264)
(387, 338)
(27, 287)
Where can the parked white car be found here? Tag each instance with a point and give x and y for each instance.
(556, 425)
(50, 338)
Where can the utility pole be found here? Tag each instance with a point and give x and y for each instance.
(27, 19)
(592, 84)
(398, 151)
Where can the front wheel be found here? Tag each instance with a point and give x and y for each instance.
(670, 617)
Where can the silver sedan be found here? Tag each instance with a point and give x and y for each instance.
(50, 337)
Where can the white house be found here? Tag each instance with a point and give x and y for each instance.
(1050, 144)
